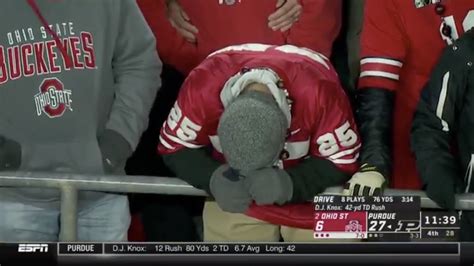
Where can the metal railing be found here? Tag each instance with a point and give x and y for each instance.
(70, 184)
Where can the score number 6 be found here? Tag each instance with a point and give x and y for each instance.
(319, 226)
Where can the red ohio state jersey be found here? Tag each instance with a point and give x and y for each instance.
(322, 123)
(401, 43)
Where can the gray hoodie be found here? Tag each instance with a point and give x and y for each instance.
(57, 108)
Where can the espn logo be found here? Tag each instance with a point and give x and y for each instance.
(32, 248)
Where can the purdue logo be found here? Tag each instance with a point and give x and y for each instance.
(408, 226)
(53, 99)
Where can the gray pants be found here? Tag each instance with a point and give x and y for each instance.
(105, 217)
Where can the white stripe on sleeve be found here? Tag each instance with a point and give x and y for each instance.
(442, 101)
(179, 141)
(344, 153)
(346, 161)
(166, 144)
(378, 60)
(381, 74)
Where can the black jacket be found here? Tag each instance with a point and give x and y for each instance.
(374, 117)
(443, 128)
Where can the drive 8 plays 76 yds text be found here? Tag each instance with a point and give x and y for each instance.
(381, 218)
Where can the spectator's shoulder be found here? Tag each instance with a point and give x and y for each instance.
(460, 51)
(466, 42)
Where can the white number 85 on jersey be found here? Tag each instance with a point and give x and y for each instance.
(330, 144)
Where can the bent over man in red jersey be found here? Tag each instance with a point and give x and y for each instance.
(262, 129)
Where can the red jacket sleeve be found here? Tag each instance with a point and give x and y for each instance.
(172, 48)
(318, 26)
(383, 45)
(335, 135)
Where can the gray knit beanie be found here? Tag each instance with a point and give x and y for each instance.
(252, 131)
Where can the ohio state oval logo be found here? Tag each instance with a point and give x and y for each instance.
(53, 100)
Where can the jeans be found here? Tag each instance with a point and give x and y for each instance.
(104, 218)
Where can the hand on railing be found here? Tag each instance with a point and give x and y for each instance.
(10, 154)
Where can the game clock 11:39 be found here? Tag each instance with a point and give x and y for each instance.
(440, 219)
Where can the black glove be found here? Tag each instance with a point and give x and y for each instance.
(269, 185)
(10, 154)
(115, 151)
(442, 190)
(227, 187)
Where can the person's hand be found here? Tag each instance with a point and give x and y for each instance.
(227, 187)
(287, 13)
(367, 182)
(269, 185)
(115, 151)
(180, 21)
(10, 154)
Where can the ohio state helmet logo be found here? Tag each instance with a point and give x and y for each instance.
(52, 100)
(353, 226)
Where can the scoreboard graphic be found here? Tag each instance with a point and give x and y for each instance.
(381, 218)
(372, 230)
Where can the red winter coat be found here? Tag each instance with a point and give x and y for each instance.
(246, 21)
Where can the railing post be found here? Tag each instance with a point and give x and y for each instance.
(68, 213)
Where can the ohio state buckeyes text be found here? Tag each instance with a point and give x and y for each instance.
(42, 56)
